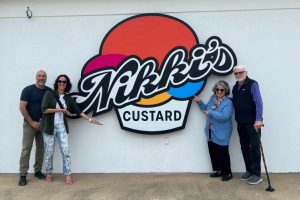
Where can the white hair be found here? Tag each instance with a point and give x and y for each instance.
(239, 67)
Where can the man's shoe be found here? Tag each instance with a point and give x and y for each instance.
(22, 181)
(227, 177)
(246, 176)
(253, 180)
(215, 174)
(39, 175)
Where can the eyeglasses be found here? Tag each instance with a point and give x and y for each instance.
(220, 90)
(239, 73)
(61, 81)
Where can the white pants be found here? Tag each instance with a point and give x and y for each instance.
(49, 142)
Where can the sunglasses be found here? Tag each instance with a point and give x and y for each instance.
(239, 73)
(220, 90)
(63, 82)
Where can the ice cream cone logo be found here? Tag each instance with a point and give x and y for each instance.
(148, 68)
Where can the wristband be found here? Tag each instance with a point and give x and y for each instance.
(90, 119)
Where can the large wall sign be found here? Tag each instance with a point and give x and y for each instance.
(148, 68)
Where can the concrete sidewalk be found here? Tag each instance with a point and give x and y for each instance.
(152, 186)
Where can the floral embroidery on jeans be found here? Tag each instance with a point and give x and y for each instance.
(49, 141)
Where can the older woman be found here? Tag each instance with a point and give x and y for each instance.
(218, 129)
(55, 106)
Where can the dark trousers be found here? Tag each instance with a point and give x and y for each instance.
(250, 140)
(219, 156)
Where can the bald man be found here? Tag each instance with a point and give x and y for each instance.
(30, 107)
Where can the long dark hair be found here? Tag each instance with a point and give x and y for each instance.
(68, 84)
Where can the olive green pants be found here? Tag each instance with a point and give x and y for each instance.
(29, 134)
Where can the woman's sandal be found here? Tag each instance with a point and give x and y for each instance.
(69, 180)
(49, 178)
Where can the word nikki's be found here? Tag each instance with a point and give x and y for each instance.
(134, 79)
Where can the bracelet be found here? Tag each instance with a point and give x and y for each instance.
(90, 119)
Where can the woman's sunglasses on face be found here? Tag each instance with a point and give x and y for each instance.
(220, 90)
(61, 81)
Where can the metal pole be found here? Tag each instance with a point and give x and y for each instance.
(269, 188)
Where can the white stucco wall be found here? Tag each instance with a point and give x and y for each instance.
(63, 35)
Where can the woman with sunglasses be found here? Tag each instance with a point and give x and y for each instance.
(218, 129)
(55, 125)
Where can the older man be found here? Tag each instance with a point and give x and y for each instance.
(30, 107)
(248, 107)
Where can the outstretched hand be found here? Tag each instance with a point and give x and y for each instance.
(197, 99)
(91, 120)
(66, 112)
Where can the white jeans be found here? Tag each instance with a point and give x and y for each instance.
(49, 143)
